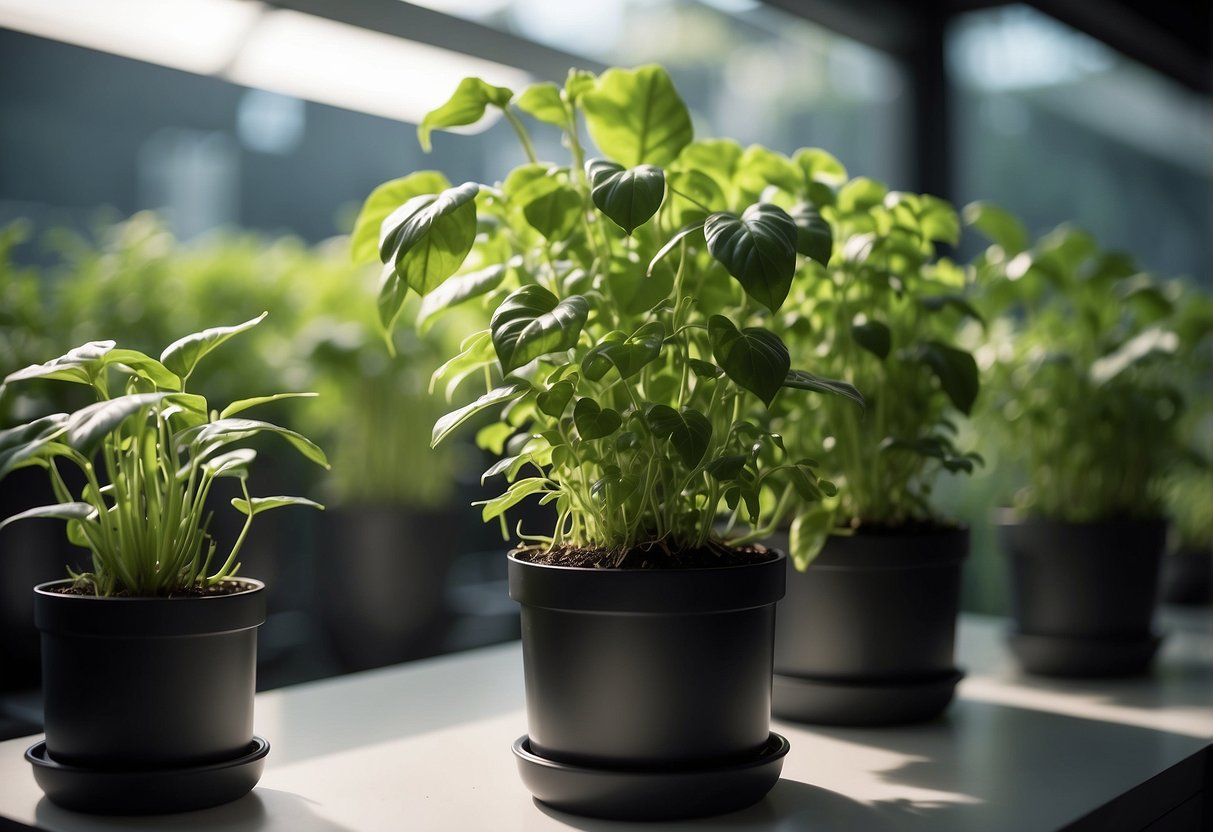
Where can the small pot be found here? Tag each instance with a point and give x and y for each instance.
(1083, 594)
(655, 672)
(866, 635)
(145, 683)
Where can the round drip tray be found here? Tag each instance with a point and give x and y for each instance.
(651, 794)
(829, 702)
(1078, 657)
(120, 791)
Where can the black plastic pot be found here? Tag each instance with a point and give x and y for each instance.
(383, 599)
(664, 674)
(866, 635)
(1083, 594)
(144, 685)
(1187, 577)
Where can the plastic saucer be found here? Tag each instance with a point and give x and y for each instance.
(153, 791)
(651, 794)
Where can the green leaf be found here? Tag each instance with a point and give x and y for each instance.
(231, 464)
(543, 102)
(476, 353)
(79, 365)
(873, 336)
(754, 358)
(956, 371)
(86, 428)
(760, 167)
(759, 249)
(364, 240)
(628, 197)
(145, 367)
(531, 322)
(465, 106)
(577, 82)
(960, 303)
(672, 243)
(555, 214)
(206, 439)
(61, 511)
(634, 290)
(814, 237)
(556, 398)
(629, 356)
(183, 355)
(22, 443)
(999, 226)
(459, 289)
(244, 404)
(496, 397)
(593, 421)
(636, 117)
(809, 533)
(726, 468)
(689, 431)
(818, 165)
(804, 380)
(938, 220)
(516, 493)
(706, 369)
(861, 195)
(431, 243)
(260, 504)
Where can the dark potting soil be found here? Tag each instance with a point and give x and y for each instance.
(646, 556)
(225, 588)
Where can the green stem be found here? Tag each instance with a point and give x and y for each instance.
(520, 129)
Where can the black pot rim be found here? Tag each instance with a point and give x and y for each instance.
(144, 617)
(649, 591)
(1013, 518)
(943, 547)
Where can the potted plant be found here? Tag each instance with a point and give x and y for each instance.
(628, 346)
(1187, 573)
(149, 656)
(866, 631)
(1082, 366)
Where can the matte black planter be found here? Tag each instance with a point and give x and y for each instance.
(866, 635)
(1083, 594)
(1187, 577)
(384, 598)
(138, 685)
(634, 671)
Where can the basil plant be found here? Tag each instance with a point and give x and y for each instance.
(630, 358)
(146, 454)
(1087, 366)
(881, 309)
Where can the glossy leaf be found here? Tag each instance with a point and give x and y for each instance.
(956, 371)
(726, 468)
(183, 355)
(814, 237)
(231, 464)
(673, 242)
(754, 358)
(260, 504)
(431, 243)
(556, 213)
(59, 511)
(86, 428)
(629, 198)
(758, 249)
(804, 380)
(873, 336)
(636, 117)
(244, 404)
(593, 421)
(629, 356)
(531, 322)
(20, 444)
(543, 102)
(208, 438)
(556, 398)
(808, 535)
(460, 289)
(516, 493)
(465, 106)
(689, 431)
(364, 240)
(497, 397)
(79, 365)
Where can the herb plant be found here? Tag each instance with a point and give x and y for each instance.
(1086, 367)
(147, 458)
(881, 309)
(630, 355)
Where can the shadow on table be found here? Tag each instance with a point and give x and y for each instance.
(261, 810)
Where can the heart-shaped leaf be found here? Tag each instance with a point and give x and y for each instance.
(556, 213)
(556, 398)
(628, 197)
(593, 421)
(814, 237)
(689, 431)
(430, 244)
(804, 380)
(629, 356)
(956, 371)
(754, 358)
(531, 322)
(636, 117)
(873, 336)
(759, 249)
(465, 106)
(364, 240)
(726, 468)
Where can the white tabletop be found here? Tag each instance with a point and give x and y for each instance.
(426, 746)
